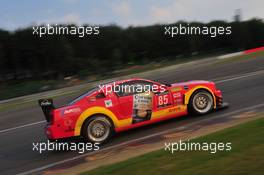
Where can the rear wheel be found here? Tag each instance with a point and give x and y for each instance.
(201, 102)
(98, 129)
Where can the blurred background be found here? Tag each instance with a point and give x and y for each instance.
(131, 38)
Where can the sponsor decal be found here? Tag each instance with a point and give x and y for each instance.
(45, 103)
(172, 110)
(177, 95)
(177, 98)
(175, 109)
(178, 101)
(92, 98)
(163, 100)
(108, 103)
(176, 89)
(73, 110)
(142, 107)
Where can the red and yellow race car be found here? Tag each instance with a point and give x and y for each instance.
(121, 105)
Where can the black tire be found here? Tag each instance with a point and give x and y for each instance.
(201, 102)
(97, 129)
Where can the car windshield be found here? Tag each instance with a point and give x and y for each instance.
(83, 95)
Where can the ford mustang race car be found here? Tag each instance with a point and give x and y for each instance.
(121, 105)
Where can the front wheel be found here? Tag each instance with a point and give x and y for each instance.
(98, 129)
(201, 102)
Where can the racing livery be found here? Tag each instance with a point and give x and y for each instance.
(107, 109)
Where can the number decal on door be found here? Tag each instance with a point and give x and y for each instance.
(163, 100)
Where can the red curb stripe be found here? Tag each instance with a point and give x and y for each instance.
(253, 50)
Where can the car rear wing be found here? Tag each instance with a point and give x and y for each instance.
(47, 108)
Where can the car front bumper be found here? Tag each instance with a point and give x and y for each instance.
(219, 101)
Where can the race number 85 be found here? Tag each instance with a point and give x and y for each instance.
(163, 100)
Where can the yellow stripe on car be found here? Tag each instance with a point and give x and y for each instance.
(168, 111)
(99, 110)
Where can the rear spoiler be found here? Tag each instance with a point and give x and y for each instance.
(47, 107)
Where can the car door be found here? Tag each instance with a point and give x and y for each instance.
(135, 103)
(163, 100)
(125, 105)
(162, 104)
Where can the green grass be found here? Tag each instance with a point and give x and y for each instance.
(246, 156)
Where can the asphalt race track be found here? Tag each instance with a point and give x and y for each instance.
(242, 83)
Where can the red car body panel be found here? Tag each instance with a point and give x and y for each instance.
(67, 121)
